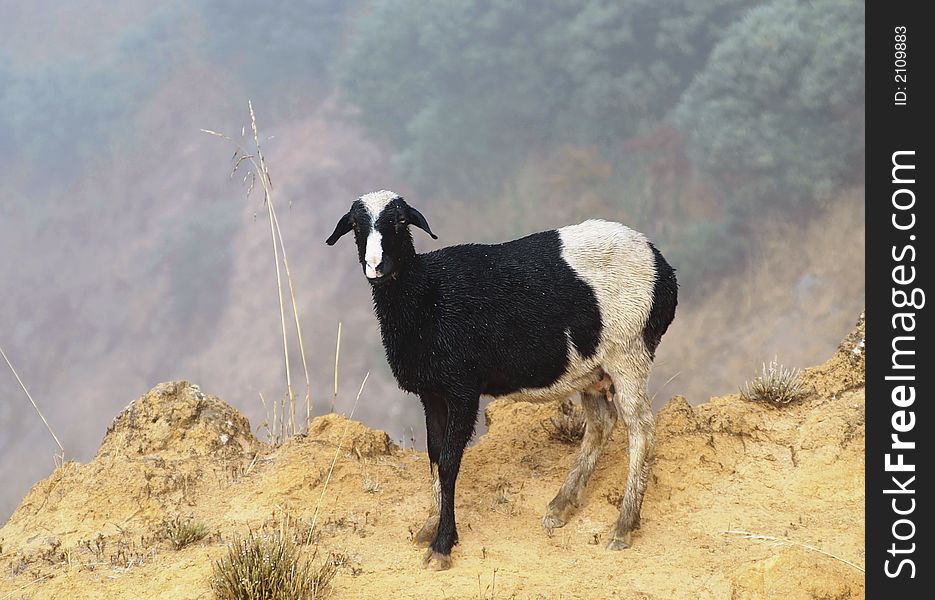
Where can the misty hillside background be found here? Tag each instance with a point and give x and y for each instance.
(729, 132)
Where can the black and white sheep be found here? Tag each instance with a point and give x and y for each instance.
(577, 309)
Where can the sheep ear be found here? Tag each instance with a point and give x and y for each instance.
(416, 218)
(343, 226)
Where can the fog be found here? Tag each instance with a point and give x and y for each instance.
(729, 132)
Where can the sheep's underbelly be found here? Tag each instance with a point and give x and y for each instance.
(581, 374)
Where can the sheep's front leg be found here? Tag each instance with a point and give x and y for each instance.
(436, 420)
(462, 413)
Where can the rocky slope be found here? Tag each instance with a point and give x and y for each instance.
(793, 475)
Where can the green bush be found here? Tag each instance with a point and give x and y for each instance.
(777, 114)
(465, 90)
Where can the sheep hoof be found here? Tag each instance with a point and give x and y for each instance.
(621, 543)
(425, 535)
(436, 561)
(552, 521)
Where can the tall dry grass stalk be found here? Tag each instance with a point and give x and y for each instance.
(17, 591)
(298, 330)
(259, 171)
(337, 361)
(61, 457)
(778, 541)
(270, 424)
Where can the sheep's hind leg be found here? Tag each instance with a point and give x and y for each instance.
(600, 417)
(638, 414)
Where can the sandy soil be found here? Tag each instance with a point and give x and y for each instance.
(794, 473)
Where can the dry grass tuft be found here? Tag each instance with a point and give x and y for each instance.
(776, 385)
(568, 425)
(505, 499)
(268, 565)
(181, 532)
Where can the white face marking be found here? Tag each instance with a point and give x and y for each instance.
(373, 255)
(375, 202)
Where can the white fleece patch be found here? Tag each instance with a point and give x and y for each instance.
(618, 264)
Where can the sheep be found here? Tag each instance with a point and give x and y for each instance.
(576, 309)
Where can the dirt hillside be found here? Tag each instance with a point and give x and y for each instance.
(795, 473)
